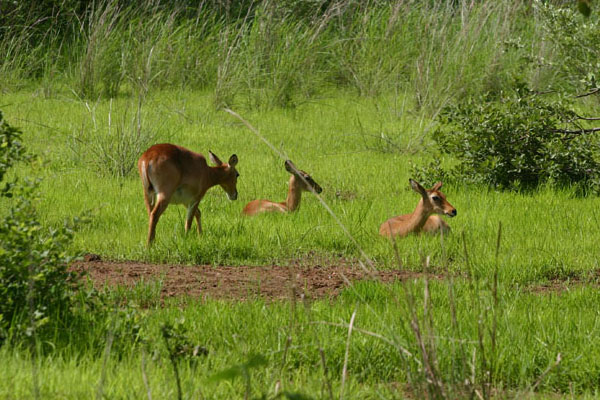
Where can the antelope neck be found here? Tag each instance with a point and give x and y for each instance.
(294, 194)
(419, 217)
(215, 175)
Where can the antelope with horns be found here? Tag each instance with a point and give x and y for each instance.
(175, 175)
(299, 181)
(425, 218)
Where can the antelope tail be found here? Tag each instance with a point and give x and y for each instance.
(144, 169)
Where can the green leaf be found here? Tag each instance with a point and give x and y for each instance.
(584, 7)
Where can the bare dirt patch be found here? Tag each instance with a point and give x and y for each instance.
(315, 279)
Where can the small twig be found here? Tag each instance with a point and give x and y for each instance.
(173, 359)
(547, 371)
(345, 368)
(588, 118)
(577, 132)
(34, 357)
(38, 124)
(344, 229)
(495, 310)
(591, 92)
(109, 342)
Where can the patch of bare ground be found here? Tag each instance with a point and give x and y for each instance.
(313, 277)
(560, 286)
(566, 282)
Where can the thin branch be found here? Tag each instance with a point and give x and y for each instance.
(109, 341)
(591, 92)
(371, 270)
(578, 131)
(325, 374)
(588, 118)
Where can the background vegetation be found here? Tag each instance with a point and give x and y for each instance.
(352, 92)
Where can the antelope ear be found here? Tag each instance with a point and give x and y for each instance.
(233, 160)
(417, 187)
(437, 186)
(214, 159)
(290, 167)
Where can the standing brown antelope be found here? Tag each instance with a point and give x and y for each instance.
(173, 174)
(421, 220)
(299, 181)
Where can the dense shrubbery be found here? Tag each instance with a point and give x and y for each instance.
(517, 142)
(41, 297)
(36, 287)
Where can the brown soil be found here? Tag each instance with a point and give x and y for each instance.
(316, 279)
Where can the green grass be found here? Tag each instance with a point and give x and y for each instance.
(359, 91)
(546, 234)
(532, 330)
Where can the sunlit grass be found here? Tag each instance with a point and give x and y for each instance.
(532, 330)
(546, 234)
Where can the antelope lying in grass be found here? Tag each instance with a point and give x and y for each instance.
(424, 218)
(174, 175)
(299, 181)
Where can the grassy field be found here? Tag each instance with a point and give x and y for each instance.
(547, 235)
(351, 96)
(532, 330)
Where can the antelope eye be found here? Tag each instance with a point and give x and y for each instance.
(435, 198)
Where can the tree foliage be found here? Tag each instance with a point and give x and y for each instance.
(517, 142)
(575, 44)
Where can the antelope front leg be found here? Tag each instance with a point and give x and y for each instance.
(198, 223)
(191, 213)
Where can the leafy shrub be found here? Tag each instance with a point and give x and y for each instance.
(11, 151)
(574, 45)
(518, 142)
(36, 286)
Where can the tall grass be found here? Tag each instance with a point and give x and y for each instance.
(381, 356)
(273, 56)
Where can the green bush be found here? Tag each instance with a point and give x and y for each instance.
(11, 151)
(574, 46)
(518, 142)
(36, 287)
